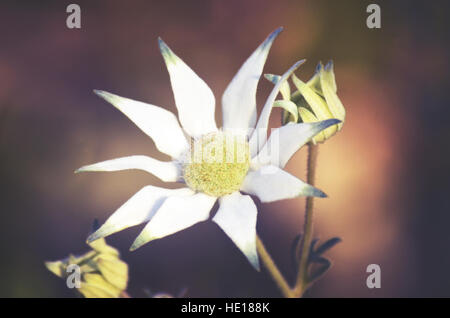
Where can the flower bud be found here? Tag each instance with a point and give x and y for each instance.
(103, 274)
(315, 100)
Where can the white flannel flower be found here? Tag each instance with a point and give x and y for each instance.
(252, 165)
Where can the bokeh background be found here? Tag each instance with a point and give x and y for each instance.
(386, 173)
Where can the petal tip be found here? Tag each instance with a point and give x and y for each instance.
(275, 33)
(329, 66)
(99, 92)
(319, 67)
(311, 191)
(103, 94)
(91, 238)
(166, 52)
(256, 266)
(327, 123)
(141, 240)
(269, 40)
(272, 78)
(103, 231)
(136, 244)
(133, 248)
(162, 45)
(333, 121)
(319, 193)
(298, 63)
(81, 169)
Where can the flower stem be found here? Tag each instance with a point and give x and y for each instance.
(273, 269)
(302, 275)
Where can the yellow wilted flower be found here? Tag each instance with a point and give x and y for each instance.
(314, 101)
(102, 273)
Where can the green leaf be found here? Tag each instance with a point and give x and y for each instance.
(324, 266)
(327, 245)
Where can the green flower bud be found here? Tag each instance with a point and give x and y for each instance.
(315, 100)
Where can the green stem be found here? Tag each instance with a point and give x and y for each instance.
(302, 275)
(273, 269)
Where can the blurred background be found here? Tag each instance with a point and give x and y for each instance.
(386, 173)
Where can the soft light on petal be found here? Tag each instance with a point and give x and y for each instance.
(329, 89)
(285, 141)
(258, 137)
(176, 213)
(327, 73)
(314, 82)
(270, 183)
(166, 171)
(161, 125)
(237, 218)
(138, 209)
(194, 99)
(239, 98)
(316, 102)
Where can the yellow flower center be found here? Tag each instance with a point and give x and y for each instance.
(217, 163)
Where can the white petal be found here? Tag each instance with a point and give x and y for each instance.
(176, 214)
(270, 183)
(237, 218)
(166, 171)
(194, 99)
(161, 125)
(286, 140)
(239, 98)
(258, 137)
(138, 209)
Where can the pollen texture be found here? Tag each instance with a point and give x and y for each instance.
(217, 163)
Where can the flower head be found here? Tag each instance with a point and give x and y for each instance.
(214, 165)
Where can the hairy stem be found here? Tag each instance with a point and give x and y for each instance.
(302, 275)
(273, 269)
